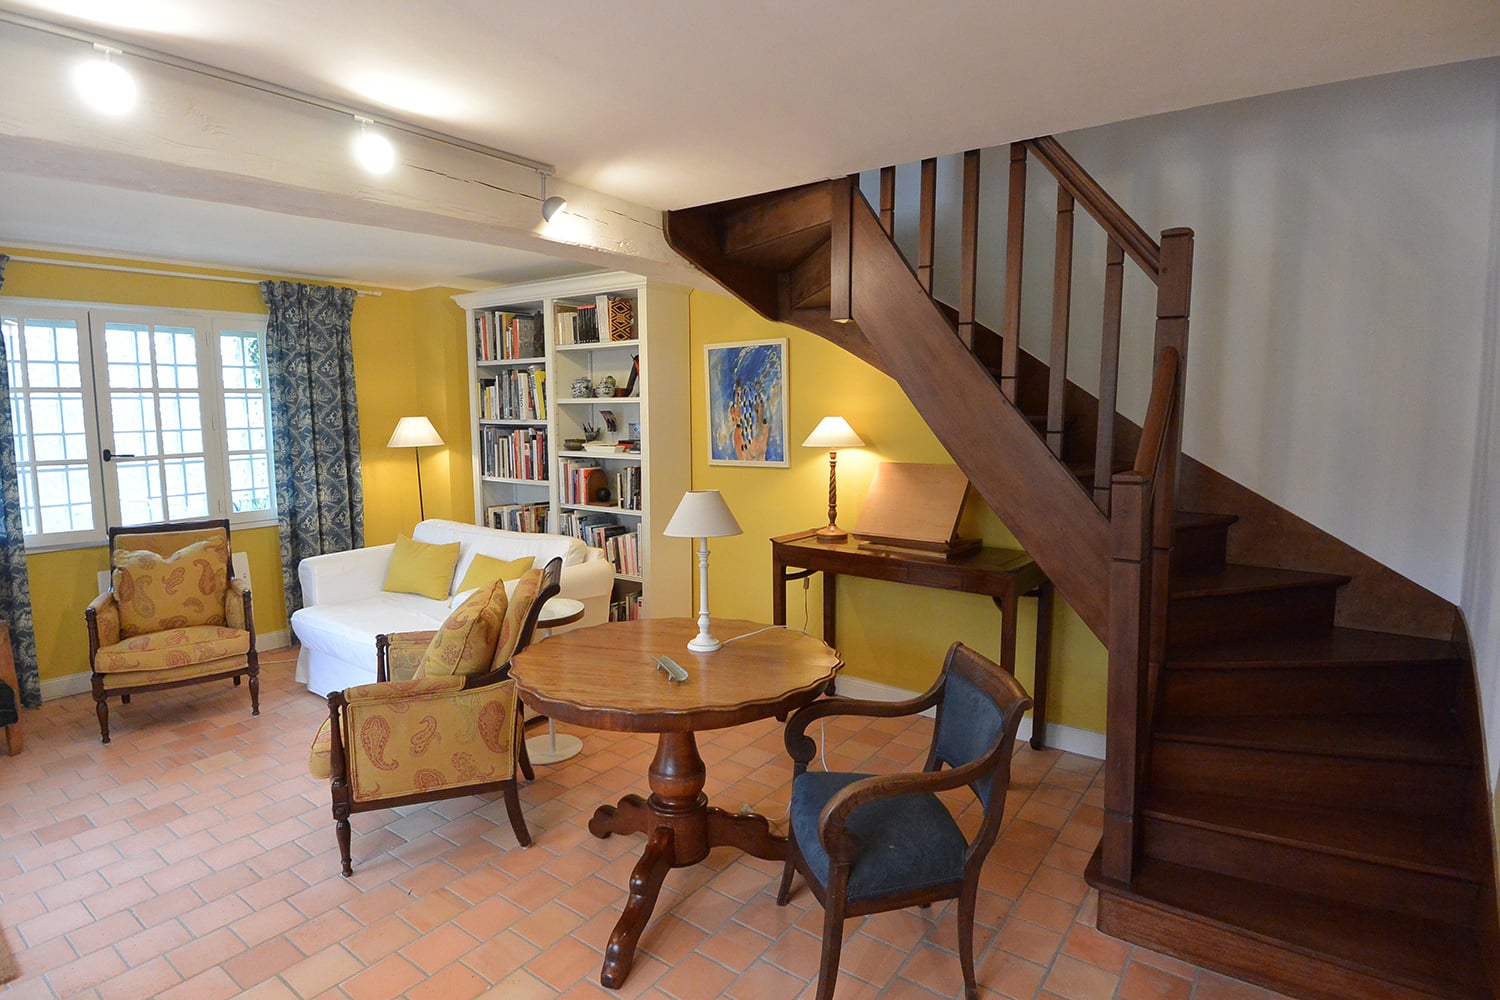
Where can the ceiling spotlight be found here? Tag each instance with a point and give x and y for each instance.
(551, 206)
(106, 86)
(372, 149)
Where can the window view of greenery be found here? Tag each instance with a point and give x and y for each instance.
(133, 419)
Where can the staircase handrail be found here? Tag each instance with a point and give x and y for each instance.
(1113, 219)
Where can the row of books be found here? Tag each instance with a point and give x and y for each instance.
(517, 516)
(514, 395)
(508, 336)
(514, 454)
(626, 609)
(623, 549)
(628, 488)
(593, 528)
(607, 318)
(583, 481)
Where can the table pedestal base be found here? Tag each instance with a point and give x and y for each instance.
(682, 828)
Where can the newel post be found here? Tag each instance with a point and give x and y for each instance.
(1129, 605)
(841, 262)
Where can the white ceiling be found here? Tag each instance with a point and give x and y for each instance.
(661, 105)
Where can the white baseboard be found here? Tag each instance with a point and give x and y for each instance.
(1058, 737)
(71, 684)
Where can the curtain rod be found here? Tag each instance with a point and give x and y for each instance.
(159, 272)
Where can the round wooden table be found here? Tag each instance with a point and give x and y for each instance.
(606, 677)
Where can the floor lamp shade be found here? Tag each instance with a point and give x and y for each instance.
(414, 433)
(702, 514)
(833, 433)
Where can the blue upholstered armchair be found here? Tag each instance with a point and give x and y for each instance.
(866, 843)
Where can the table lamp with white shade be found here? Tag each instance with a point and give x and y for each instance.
(702, 514)
(833, 433)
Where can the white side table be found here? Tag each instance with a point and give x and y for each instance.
(554, 748)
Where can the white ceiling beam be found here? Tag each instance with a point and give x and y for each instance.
(202, 138)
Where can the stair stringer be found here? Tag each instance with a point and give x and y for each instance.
(1003, 457)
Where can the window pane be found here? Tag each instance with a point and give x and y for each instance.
(127, 351)
(140, 492)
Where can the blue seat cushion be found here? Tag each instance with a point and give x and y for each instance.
(907, 842)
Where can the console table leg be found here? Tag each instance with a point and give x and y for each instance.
(1043, 665)
(645, 886)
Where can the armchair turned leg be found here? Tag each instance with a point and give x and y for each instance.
(254, 690)
(966, 941)
(513, 809)
(523, 756)
(341, 829)
(101, 709)
(833, 943)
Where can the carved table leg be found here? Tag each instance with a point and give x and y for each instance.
(645, 886)
(629, 816)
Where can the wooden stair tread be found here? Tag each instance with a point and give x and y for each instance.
(1239, 578)
(1421, 953)
(1384, 838)
(1335, 647)
(1201, 519)
(1428, 738)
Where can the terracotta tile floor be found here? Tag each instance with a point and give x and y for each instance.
(194, 857)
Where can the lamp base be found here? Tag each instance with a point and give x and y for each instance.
(832, 534)
(703, 643)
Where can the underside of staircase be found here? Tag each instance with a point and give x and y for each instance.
(1308, 807)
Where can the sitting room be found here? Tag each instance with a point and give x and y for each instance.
(345, 436)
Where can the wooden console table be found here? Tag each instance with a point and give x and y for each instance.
(1004, 575)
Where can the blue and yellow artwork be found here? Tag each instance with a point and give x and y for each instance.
(747, 403)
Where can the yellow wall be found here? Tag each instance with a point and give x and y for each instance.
(891, 633)
(395, 334)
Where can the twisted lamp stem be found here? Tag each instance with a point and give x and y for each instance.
(832, 533)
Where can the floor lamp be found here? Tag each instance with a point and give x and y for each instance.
(833, 433)
(414, 433)
(703, 514)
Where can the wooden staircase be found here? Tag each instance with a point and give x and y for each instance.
(1295, 784)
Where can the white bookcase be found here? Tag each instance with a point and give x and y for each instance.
(531, 470)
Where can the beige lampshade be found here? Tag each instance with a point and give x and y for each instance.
(833, 433)
(414, 432)
(702, 514)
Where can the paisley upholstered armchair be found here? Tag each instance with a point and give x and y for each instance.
(174, 615)
(442, 719)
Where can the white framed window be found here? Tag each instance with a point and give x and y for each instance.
(134, 415)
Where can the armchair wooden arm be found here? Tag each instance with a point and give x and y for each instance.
(801, 748)
(833, 822)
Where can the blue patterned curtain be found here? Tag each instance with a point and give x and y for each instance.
(314, 424)
(15, 584)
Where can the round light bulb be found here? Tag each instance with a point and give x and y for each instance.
(106, 86)
(374, 152)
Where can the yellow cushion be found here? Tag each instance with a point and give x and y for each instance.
(421, 568)
(485, 569)
(466, 642)
(168, 592)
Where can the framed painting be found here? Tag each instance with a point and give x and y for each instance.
(747, 403)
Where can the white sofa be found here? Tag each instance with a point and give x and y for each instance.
(344, 608)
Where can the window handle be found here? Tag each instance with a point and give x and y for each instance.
(110, 456)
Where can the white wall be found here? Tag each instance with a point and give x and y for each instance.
(1481, 596)
(1342, 356)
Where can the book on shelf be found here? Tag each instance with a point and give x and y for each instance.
(514, 395)
(582, 481)
(627, 608)
(513, 453)
(517, 517)
(500, 335)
